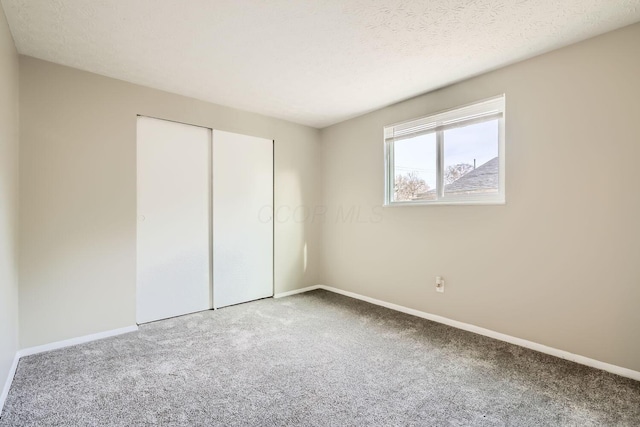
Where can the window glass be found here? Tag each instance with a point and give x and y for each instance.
(414, 165)
(471, 163)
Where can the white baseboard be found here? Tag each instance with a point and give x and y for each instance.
(7, 384)
(296, 291)
(618, 370)
(75, 341)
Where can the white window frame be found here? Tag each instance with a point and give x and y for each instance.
(437, 123)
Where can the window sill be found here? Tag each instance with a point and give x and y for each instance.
(447, 203)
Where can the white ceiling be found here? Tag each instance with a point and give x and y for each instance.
(311, 62)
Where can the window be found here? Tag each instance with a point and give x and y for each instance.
(453, 157)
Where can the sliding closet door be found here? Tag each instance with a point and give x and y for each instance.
(242, 218)
(174, 217)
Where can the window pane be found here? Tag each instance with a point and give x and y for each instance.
(471, 164)
(414, 166)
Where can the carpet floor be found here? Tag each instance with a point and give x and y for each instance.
(314, 359)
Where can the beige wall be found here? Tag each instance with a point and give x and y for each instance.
(8, 200)
(559, 264)
(78, 196)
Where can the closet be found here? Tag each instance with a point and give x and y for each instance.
(205, 219)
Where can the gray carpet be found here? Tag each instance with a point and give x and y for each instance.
(315, 359)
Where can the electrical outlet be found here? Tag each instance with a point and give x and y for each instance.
(439, 284)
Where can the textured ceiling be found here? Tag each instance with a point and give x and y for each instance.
(312, 62)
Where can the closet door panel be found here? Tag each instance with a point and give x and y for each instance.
(242, 218)
(173, 228)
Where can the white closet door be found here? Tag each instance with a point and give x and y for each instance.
(174, 199)
(242, 218)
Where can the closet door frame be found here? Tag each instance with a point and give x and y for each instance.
(210, 162)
